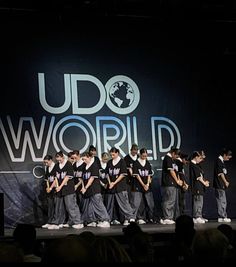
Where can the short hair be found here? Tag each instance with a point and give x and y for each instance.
(92, 148)
(47, 157)
(143, 150)
(175, 150)
(134, 147)
(114, 150)
(76, 152)
(226, 152)
(105, 154)
(59, 154)
(87, 154)
(70, 154)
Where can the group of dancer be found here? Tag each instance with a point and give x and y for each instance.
(83, 190)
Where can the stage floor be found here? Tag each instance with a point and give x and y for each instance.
(117, 230)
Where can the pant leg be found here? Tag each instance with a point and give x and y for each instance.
(135, 202)
(150, 204)
(99, 208)
(72, 209)
(169, 202)
(181, 201)
(51, 208)
(221, 203)
(197, 206)
(124, 205)
(109, 200)
(59, 214)
(87, 212)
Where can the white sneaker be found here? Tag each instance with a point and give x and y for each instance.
(167, 221)
(92, 224)
(141, 221)
(45, 225)
(206, 220)
(66, 225)
(126, 222)
(115, 222)
(78, 226)
(198, 220)
(53, 227)
(228, 220)
(162, 221)
(60, 225)
(221, 220)
(103, 224)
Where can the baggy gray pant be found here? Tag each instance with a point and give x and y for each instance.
(169, 202)
(221, 203)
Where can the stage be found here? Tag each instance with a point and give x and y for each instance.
(158, 231)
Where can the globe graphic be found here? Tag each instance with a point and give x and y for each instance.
(121, 94)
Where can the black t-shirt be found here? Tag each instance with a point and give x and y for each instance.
(130, 164)
(78, 172)
(219, 167)
(195, 171)
(97, 161)
(168, 165)
(180, 169)
(114, 172)
(66, 170)
(102, 174)
(95, 187)
(143, 172)
(49, 177)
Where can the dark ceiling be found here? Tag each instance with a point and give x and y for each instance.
(215, 10)
(211, 22)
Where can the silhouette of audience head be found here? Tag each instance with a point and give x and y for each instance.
(131, 229)
(107, 249)
(184, 228)
(25, 236)
(227, 230)
(10, 253)
(71, 248)
(210, 246)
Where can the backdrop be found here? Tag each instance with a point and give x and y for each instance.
(65, 87)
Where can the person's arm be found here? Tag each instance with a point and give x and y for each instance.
(176, 178)
(140, 180)
(85, 188)
(112, 184)
(203, 181)
(49, 188)
(65, 180)
(223, 178)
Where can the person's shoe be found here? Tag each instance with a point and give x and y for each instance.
(126, 222)
(198, 220)
(61, 225)
(162, 221)
(66, 225)
(115, 222)
(92, 224)
(53, 227)
(78, 226)
(103, 224)
(206, 220)
(167, 221)
(141, 221)
(45, 225)
(227, 220)
(221, 220)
